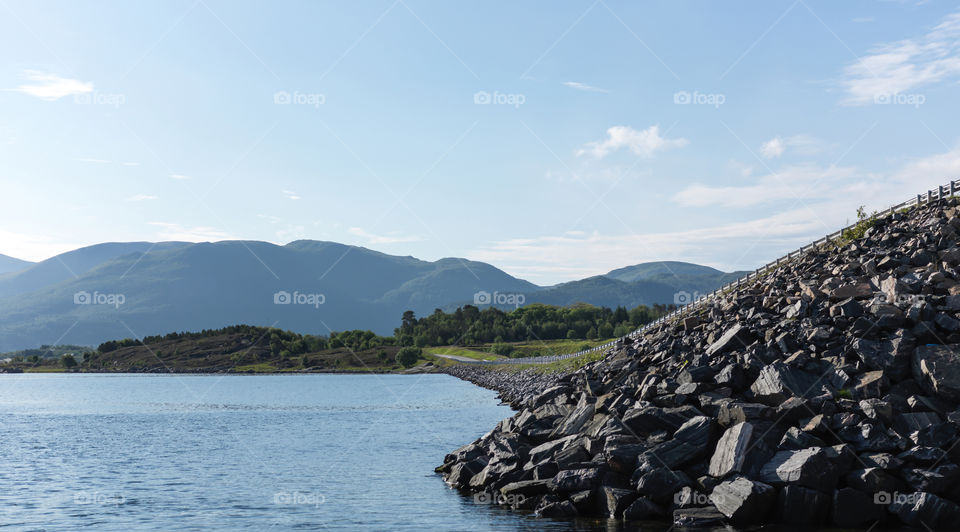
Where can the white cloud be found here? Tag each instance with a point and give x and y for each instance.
(290, 194)
(772, 148)
(583, 87)
(141, 197)
(129, 163)
(389, 238)
(51, 87)
(902, 66)
(173, 231)
(829, 199)
(800, 182)
(643, 143)
(179, 177)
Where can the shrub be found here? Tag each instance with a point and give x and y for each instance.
(408, 356)
(501, 348)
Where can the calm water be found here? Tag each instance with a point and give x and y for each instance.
(326, 452)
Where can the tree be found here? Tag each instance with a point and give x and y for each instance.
(408, 356)
(68, 361)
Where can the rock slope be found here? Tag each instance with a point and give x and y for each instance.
(824, 393)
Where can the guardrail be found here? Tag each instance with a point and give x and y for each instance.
(943, 191)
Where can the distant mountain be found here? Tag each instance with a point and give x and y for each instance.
(305, 286)
(119, 290)
(72, 264)
(10, 264)
(678, 275)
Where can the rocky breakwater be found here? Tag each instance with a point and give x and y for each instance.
(824, 393)
(514, 387)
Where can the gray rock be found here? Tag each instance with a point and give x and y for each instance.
(777, 382)
(736, 337)
(812, 468)
(731, 454)
(743, 501)
(937, 369)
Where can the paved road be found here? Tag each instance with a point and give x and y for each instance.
(458, 359)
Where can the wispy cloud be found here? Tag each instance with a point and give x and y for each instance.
(796, 144)
(52, 87)
(583, 87)
(179, 177)
(389, 238)
(141, 197)
(739, 245)
(643, 143)
(290, 194)
(901, 66)
(173, 231)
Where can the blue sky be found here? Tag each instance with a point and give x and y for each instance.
(555, 140)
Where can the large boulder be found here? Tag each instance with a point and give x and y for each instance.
(927, 510)
(736, 337)
(736, 450)
(937, 369)
(744, 501)
(813, 468)
(798, 505)
(778, 382)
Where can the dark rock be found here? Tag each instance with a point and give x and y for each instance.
(643, 509)
(616, 500)
(811, 468)
(743, 501)
(852, 508)
(871, 480)
(562, 509)
(777, 382)
(926, 509)
(798, 505)
(574, 480)
(736, 337)
(734, 451)
(934, 480)
(705, 517)
(660, 484)
(937, 369)
(646, 420)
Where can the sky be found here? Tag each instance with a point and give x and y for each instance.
(554, 140)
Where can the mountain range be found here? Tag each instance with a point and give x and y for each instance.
(133, 289)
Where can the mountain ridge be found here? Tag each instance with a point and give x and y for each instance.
(173, 286)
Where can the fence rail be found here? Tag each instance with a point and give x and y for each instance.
(941, 192)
